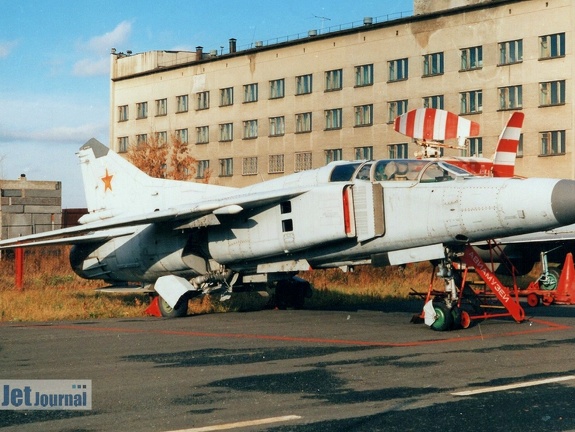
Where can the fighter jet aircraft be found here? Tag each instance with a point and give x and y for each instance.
(186, 239)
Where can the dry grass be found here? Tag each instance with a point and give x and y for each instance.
(53, 292)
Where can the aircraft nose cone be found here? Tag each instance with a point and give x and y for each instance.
(563, 202)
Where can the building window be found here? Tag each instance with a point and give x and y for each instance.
(471, 102)
(475, 147)
(226, 167)
(142, 110)
(162, 138)
(203, 169)
(303, 122)
(161, 107)
(250, 129)
(277, 126)
(182, 103)
(123, 144)
(202, 135)
(520, 146)
(551, 46)
(250, 165)
(398, 70)
(123, 113)
(551, 93)
(397, 151)
(333, 119)
(433, 102)
(333, 155)
(363, 115)
(277, 89)
(276, 164)
(226, 132)
(203, 100)
(362, 153)
(511, 52)
(334, 80)
(364, 75)
(141, 138)
(302, 161)
(433, 64)
(471, 58)
(227, 96)
(395, 109)
(510, 97)
(552, 142)
(182, 135)
(250, 93)
(303, 84)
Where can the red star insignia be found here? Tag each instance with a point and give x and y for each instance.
(107, 181)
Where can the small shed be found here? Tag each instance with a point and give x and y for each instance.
(29, 207)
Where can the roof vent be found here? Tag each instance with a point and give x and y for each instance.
(312, 33)
(367, 21)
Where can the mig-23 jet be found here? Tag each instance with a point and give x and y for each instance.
(183, 239)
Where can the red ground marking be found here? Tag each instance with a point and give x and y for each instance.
(550, 327)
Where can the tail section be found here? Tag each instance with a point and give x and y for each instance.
(113, 186)
(506, 151)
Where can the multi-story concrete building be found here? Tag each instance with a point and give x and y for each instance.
(276, 108)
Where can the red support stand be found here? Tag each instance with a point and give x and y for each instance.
(565, 293)
(19, 267)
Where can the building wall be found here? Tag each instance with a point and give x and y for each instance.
(156, 75)
(29, 207)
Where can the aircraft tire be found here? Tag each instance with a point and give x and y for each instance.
(444, 319)
(552, 281)
(456, 315)
(181, 309)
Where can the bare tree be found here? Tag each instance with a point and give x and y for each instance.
(182, 163)
(165, 160)
(150, 156)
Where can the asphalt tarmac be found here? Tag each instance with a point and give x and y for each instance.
(301, 370)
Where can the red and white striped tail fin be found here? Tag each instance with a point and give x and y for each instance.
(506, 151)
(434, 124)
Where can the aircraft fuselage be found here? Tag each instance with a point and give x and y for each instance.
(351, 213)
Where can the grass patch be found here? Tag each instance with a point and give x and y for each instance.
(53, 292)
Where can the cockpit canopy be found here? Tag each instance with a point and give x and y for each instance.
(422, 171)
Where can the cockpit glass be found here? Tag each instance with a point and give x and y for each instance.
(398, 169)
(343, 172)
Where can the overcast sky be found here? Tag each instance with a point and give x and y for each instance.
(54, 63)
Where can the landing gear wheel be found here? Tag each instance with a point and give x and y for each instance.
(551, 281)
(180, 310)
(443, 318)
(533, 300)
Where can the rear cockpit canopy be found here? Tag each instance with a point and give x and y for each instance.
(423, 171)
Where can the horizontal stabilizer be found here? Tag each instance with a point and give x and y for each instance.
(434, 124)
